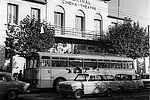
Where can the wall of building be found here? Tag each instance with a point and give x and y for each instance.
(72, 6)
(24, 9)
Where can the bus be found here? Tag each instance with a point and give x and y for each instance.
(46, 70)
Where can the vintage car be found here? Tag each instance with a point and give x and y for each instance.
(89, 84)
(129, 82)
(10, 87)
(146, 80)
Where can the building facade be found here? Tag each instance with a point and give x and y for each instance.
(78, 23)
(12, 11)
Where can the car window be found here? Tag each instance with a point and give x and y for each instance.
(134, 77)
(4, 78)
(99, 78)
(117, 77)
(92, 78)
(110, 78)
(81, 77)
(145, 76)
(104, 77)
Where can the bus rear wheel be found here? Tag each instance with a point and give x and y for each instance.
(56, 84)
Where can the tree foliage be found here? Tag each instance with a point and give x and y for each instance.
(2, 56)
(27, 35)
(128, 39)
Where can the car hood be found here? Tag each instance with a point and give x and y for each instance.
(21, 82)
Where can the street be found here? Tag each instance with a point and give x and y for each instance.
(51, 95)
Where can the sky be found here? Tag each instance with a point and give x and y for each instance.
(137, 10)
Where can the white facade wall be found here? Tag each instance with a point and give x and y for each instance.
(71, 10)
(24, 9)
(47, 13)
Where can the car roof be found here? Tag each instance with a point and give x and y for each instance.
(92, 74)
(6, 73)
(127, 74)
(146, 74)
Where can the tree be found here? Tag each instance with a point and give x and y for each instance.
(27, 36)
(127, 39)
(2, 56)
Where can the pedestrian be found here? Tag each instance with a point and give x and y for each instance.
(20, 76)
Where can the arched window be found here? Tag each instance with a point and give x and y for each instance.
(98, 24)
(80, 23)
(59, 18)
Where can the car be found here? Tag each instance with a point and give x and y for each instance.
(89, 84)
(10, 87)
(129, 82)
(146, 79)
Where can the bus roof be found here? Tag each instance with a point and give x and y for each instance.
(83, 56)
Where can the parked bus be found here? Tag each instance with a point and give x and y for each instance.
(46, 70)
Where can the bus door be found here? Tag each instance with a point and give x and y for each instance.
(45, 72)
(30, 72)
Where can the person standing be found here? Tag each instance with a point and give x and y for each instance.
(20, 76)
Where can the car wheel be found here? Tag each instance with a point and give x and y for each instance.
(109, 92)
(12, 95)
(78, 94)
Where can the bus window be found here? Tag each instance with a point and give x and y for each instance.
(59, 62)
(106, 64)
(88, 63)
(75, 62)
(45, 61)
(130, 65)
(118, 64)
(115, 64)
(124, 64)
(100, 64)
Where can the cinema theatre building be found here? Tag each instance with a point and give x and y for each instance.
(78, 24)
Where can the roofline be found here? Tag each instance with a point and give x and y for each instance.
(114, 17)
(36, 1)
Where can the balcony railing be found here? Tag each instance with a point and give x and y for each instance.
(77, 33)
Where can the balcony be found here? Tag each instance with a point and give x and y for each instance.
(74, 33)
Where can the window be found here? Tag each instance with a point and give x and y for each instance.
(59, 18)
(12, 13)
(90, 63)
(45, 61)
(4, 78)
(98, 24)
(75, 62)
(35, 13)
(80, 23)
(124, 65)
(32, 62)
(116, 64)
(59, 62)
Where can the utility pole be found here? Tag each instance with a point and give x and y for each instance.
(149, 44)
(118, 7)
